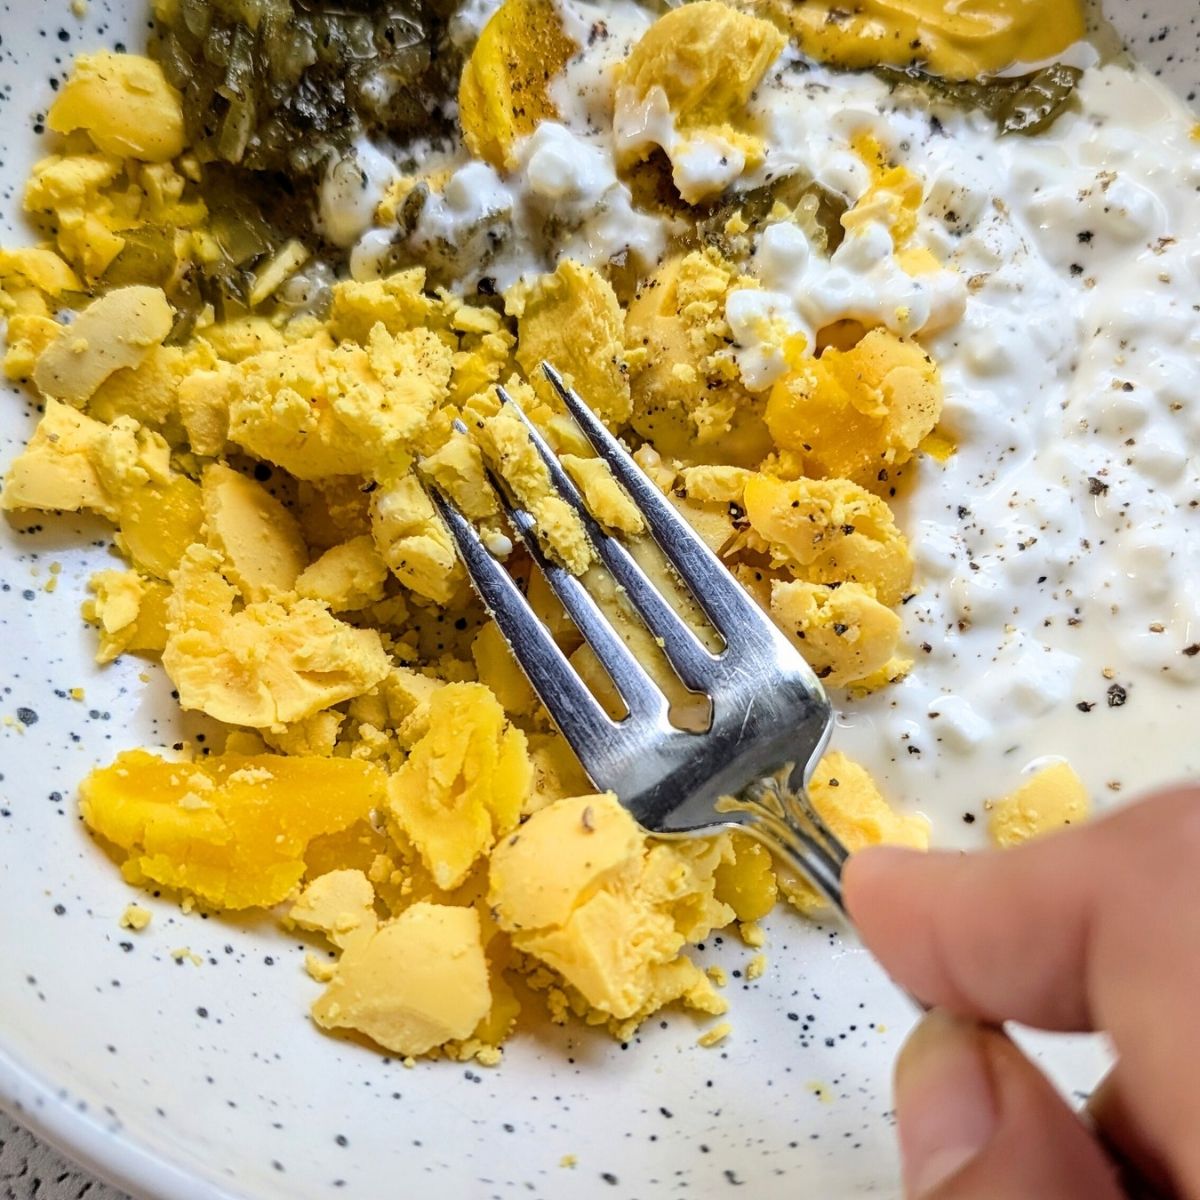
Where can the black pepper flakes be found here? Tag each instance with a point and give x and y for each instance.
(1117, 696)
(1084, 706)
(1096, 487)
(1192, 650)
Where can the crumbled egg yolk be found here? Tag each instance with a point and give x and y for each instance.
(389, 772)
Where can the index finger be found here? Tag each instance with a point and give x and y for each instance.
(1096, 928)
(1047, 933)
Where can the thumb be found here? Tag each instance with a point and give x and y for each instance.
(979, 1122)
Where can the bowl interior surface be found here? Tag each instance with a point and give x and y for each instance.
(178, 1062)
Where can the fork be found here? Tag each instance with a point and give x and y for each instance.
(770, 721)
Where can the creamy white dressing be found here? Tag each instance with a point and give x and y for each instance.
(803, 291)
(495, 226)
(1058, 550)
(351, 189)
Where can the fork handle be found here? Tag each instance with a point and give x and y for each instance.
(788, 825)
(786, 822)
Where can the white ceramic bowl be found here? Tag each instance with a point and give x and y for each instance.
(195, 1082)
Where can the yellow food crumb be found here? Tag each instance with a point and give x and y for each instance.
(135, 917)
(568, 1160)
(752, 933)
(756, 967)
(185, 954)
(715, 1035)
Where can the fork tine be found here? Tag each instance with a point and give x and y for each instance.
(585, 725)
(691, 660)
(735, 615)
(640, 693)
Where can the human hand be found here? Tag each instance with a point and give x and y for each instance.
(1097, 928)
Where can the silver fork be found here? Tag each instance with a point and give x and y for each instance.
(770, 720)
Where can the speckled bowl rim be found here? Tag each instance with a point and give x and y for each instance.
(116, 1158)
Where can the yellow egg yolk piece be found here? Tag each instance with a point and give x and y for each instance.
(130, 612)
(413, 540)
(464, 783)
(417, 982)
(959, 40)
(230, 830)
(688, 398)
(844, 633)
(503, 93)
(857, 414)
(117, 330)
(1050, 800)
(572, 320)
(684, 89)
(507, 445)
(339, 904)
(831, 531)
(348, 576)
(269, 663)
(124, 104)
(579, 887)
(258, 539)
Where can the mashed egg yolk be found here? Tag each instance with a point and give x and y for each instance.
(389, 773)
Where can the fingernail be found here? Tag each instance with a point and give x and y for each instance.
(944, 1101)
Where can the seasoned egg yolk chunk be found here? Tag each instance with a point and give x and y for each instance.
(124, 104)
(271, 662)
(413, 540)
(844, 633)
(503, 94)
(831, 531)
(572, 320)
(230, 830)
(578, 887)
(507, 445)
(958, 41)
(688, 398)
(857, 414)
(464, 784)
(685, 88)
